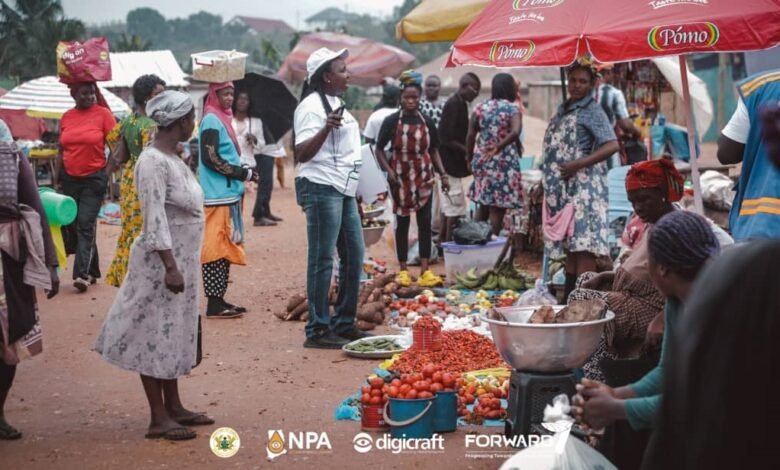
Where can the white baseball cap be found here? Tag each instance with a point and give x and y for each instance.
(320, 57)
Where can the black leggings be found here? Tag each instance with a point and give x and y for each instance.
(423, 232)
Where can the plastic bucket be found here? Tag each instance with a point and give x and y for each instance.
(445, 412)
(426, 339)
(60, 209)
(373, 418)
(410, 419)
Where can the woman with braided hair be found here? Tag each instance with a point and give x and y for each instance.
(679, 246)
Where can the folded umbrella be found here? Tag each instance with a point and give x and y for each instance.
(271, 101)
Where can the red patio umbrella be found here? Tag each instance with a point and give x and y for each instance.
(516, 33)
(368, 62)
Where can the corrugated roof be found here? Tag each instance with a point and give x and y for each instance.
(126, 67)
(265, 25)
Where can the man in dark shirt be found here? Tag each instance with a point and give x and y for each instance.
(453, 128)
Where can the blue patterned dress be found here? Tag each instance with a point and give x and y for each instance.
(576, 130)
(497, 181)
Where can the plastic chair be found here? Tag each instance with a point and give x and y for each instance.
(619, 206)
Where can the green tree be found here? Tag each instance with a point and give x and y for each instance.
(29, 33)
(129, 43)
(150, 24)
(270, 55)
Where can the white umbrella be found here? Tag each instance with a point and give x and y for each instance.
(47, 97)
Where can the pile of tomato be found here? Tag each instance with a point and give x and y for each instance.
(489, 407)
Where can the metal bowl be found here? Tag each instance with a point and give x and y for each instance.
(544, 347)
(374, 213)
(371, 235)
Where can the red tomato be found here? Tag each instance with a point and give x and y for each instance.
(404, 389)
(448, 380)
(392, 391)
(469, 398)
(411, 394)
(436, 387)
(376, 383)
(384, 399)
(365, 389)
(396, 383)
(422, 386)
(416, 378)
(459, 382)
(365, 399)
(423, 300)
(425, 395)
(375, 400)
(428, 370)
(376, 392)
(437, 377)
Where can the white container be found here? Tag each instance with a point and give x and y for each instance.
(218, 66)
(461, 258)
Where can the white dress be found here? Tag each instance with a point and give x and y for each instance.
(149, 329)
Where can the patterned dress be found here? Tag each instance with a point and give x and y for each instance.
(412, 163)
(137, 131)
(575, 132)
(497, 181)
(149, 329)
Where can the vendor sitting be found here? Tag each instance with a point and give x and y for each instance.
(678, 247)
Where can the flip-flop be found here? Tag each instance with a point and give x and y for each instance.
(175, 434)
(225, 314)
(196, 420)
(9, 433)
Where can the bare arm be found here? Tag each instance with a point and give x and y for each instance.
(730, 152)
(471, 138)
(568, 169)
(629, 128)
(307, 149)
(516, 126)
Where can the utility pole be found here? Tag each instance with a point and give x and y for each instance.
(723, 61)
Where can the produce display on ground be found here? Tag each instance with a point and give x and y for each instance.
(461, 351)
(376, 347)
(507, 276)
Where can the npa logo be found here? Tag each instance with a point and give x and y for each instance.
(683, 36)
(296, 442)
(656, 4)
(514, 52)
(533, 4)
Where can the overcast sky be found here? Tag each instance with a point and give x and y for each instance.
(294, 12)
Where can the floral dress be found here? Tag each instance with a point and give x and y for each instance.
(149, 329)
(137, 131)
(497, 180)
(576, 130)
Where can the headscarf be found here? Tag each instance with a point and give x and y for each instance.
(168, 106)
(100, 100)
(224, 115)
(683, 241)
(411, 78)
(659, 174)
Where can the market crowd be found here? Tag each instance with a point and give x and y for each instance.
(679, 281)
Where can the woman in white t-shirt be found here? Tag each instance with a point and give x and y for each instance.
(256, 154)
(328, 159)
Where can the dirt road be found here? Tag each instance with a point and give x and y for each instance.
(78, 412)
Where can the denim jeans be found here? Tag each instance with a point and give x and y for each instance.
(332, 223)
(265, 166)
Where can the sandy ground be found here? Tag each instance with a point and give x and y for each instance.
(77, 411)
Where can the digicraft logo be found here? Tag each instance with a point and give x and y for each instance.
(531, 4)
(514, 52)
(364, 443)
(683, 36)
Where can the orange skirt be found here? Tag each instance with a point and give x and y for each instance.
(217, 238)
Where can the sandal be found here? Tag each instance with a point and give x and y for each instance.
(225, 314)
(428, 279)
(404, 279)
(236, 308)
(199, 419)
(175, 434)
(8, 432)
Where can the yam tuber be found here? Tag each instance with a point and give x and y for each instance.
(383, 280)
(376, 295)
(299, 310)
(295, 301)
(365, 325)
(366, 311)
(305, 316)
(390, 288)
(365, 292)
(379, 317)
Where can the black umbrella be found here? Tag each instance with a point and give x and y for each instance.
(272, 102)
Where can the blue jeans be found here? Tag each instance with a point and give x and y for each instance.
(332, 223)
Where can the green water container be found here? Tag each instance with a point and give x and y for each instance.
(60, 209)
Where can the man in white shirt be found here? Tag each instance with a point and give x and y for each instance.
(613, 101)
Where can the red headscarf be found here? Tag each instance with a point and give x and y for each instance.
(99, 98)
(659, 174)
(224, 115)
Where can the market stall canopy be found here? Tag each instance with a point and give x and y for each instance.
(47, 97)
(368, 62)
(451, 76)
(438, 20)
(126, 67)
(529, 33)
(700, 97)
(555, 32)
